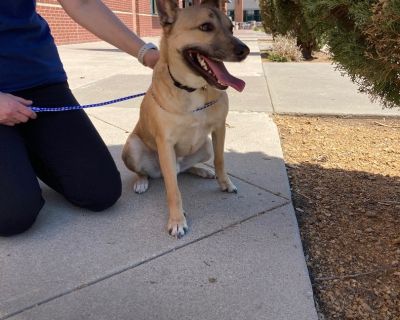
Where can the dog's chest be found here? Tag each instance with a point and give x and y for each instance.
(192, 134)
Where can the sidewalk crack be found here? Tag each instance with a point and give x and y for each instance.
(278, 194)
(109, 123)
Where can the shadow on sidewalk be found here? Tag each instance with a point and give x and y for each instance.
(336, 192)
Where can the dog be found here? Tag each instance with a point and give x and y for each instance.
(185, 103)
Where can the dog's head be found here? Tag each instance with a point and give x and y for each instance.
(197, 40)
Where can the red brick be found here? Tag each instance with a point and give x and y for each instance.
(135, 14)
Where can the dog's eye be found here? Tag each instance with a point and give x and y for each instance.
(206, 27)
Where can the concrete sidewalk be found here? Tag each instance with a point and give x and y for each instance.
(242, 258)
(318, 89)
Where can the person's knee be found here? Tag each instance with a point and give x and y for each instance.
(97, 195)
(18, 217)
(106, 197)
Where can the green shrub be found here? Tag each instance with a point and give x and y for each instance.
(276, 57)
(259, 29)
(364, 38)
(286, 47)
(286, 17)
(268, 15)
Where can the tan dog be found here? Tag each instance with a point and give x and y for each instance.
(185, 103)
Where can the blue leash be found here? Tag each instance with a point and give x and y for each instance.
(69, 108)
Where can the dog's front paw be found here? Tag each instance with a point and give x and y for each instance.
(177, 227)
(227, 185)
(140, 184)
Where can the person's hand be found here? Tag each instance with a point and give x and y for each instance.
(14, 110)
(151, 57)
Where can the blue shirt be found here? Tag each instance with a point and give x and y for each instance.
(28, 54)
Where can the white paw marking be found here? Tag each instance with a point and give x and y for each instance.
(177, 228)
(141, 184)
(228, 186)
(232, 188)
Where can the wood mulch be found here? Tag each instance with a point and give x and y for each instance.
(345, 180)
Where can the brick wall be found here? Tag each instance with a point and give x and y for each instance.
(147, 24)
(136, 14)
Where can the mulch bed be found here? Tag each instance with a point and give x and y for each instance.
(345, 179)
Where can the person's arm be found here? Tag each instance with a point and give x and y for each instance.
(96, 17)
(14, 110)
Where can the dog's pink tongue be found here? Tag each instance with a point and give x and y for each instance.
(224, 76)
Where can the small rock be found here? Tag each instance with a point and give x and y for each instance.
(371, 214)
(212, 280)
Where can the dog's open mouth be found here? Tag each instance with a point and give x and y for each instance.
(212, 70)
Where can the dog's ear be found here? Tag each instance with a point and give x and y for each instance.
(167, 11)
(212, 3)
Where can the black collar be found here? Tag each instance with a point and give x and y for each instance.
(180, 85)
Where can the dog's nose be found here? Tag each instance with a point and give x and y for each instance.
(241, 51)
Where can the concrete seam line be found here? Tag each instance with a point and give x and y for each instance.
(268, 88)
(262, 188)
(253, 184)
(116, 273)
(109, 123)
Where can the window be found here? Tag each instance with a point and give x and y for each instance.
(153, 6)
(187, 3)
(248, 15)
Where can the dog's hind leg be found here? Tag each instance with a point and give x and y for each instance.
(201, 172)
(142, 160)
(189, 163)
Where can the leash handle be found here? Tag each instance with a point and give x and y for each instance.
(78, 107)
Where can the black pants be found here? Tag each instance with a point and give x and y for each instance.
(64, 150)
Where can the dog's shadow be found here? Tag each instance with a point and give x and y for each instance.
(202, 199)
